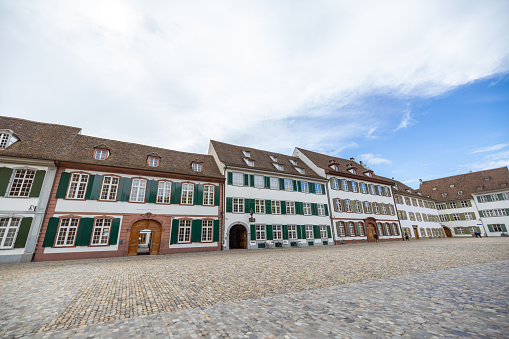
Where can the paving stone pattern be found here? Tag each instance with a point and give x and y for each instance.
(330, 291)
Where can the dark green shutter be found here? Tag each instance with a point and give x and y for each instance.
(176, 192)
(481, 214)
(62, 185)
(5, 177)
(250, 205)
(503, 228)
(198, 194)
(316, 231)
(84, 233)
(217, 195)
(507, 211)
(340, 184)
(251, 180)
(196, 230)
(323, 189)
(490, 228)
(283, 207)
(24, 229)
(267, 182)
(329, 232)
(488, 197)
(174, 231)
(37, 183)
(151, 193)
(285, 232)
(299, 186)
(462, 216)
(246, 179)
(268, 207)
(311, 187)
(230, 178)
(216, 231)
(349, 185)
(124, 189)
(299, 208)
(253, 232)
(51, 232)
(229, 205)
(94, 187)
(478, 199)
(500, 196)
(314, 209)
(294, 184)
(326, 209)
(269, 232)
(115, 227)
(281, 184)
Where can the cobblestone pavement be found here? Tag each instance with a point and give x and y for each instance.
(353, 290)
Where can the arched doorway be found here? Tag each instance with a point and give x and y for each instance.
(448, 233)
(370, 232)
(144, 225)
(238, 237)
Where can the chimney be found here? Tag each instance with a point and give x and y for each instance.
(352, 159)
(360, 162)
(420, 182)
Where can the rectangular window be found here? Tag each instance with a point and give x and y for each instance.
(184, 230)
(377, 208)
(207, 228)
(22, 183)
(460, 230)
(321, 209)
(411, 215)
(309, 232)
(292, 232)
(391, 209)
(277, 232)
(260, 232)
(468, 216)
(358, 206)
(407, 201)
(421, 204)
(505, 196)
(307, 208)
(414, 201)
(354, 187)
(472, 229)
(197, 167)
(455, 216)
(258, 181)
(443, 217)
(318, 189)
(238, 179)
(323, 232)
(424, 217)
(67, 232)
(259, 206)
(101, 233)
(418, 216)
(109, 188)
(153, 162)
(276, 207)
(441, 206)
(384, 209)
(394, 229)
(100, 154)
(497, 228)
(335, 184)
(348, 205)
(452, 204)
(288, 185)
(8, 230)
(77, 186)
(483, 198)
(494, 197)
(208, 195)
(337, 203)
(340, 228)
(363, 188)
(4, 138)
(360, 229)
(464, 203)
(367, 207)
(344, 183)
(290, 207)
(274, 183)
(304, 186)
(138, 188)
(187, 194)
(379, 188)
(238, 205)
(372, 189)
(386, 191)
(351, 228)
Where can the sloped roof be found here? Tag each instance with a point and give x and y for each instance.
(407, 190)
(231, 155)
(130, 155)
(469, 183)
(38, 140)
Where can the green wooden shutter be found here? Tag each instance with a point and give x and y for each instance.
(462, 216)
(268, 207)
(354, 206)
(5, 177)
(488, 197)
(283, 207)
(51, 232)
(230, 178)
(481, 214)
(196, 230)
(24, 230)
(246, 179)
(323, 189)
(124, 189)
(267, 182)
(285, 232)
(151, 194)
(174, 231)
(198, 194)
(294, 183)
(316, 231)
(281, 184)
(216, 231)
(349, 184)
(331, 181)
(176, 192)
(311, 187)
(490, 228)
(62, 185)
(229, 205)
(347, 230)
(340, 184)
(251, 180)
(217, 195)
(115, 227)
(326, 209)
(456, 230)
(253, 232)
(299, 208)
(299, 186)
(503, 228)
(84, 234)
(478, 199)
(507, 211)
(269, 232)
(500, 196)
(329, 232)
(37, 183)
(314, 209)
(94, 187)
(250, 205)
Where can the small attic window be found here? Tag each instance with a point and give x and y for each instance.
(7, 138)
(419, 193)
(369, 174)
(444, 194)
(451, 185)
(334, 167)
(300, 170)
(460, 192)
(479, 188)
(503, 184)
(247, 153)
(434, 188)
(197, 165)
(101, 154)
(153, 161)
(352, 170)
(279, 167)
(249, 162)
(488, 178)
(273, 158)
(294, 163)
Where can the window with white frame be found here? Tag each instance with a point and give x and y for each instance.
(7, 139)
(309, 232)
(321, 209)
(418, 216)
(8, 230)
(443, 217)
(407, 201)
(77, 186)
(259, 206)
(335, 184)
(423, 232)
(276, 207)
(208, 195)
(505, 195)
(260, 232)
(441, 206)
(360, 229)
(274, 183)
(456, 216)
(138, 188)
(153, 161)
(340, 229)
(472, 229)
(497, 228)
(290, 207)
(379, 228)
(386, 191)
(367, 207)
(452, 204)
(307, 208)
(494, 197)
(358, 206)
(67, 231)
(354, 187)
(468, 216)
(425, 217)
(187, 194)
(163, 192)
(384, 209)
(101, 154)
(207, 229)
(323, 232)
(377, 208)
(363, 188)
(464, 203)
(279, 167)
(238, 179)
(197, 167)
(292, 232)
(337, 203)
(249, 162)
(318, 189)
(22, 183)
(348, 205)
(184, 234)
(344, 183)
(294, 163)
(277, 232)
(379, 188)
(483, 198)
(273, 158)
(460, 230)
(351, 228)
(101, 232)
(372, 189)
(412, 216)
(258, 181)
(387, 230)
(109, 188)
(304, 186)
(238, 205)
(391, 209)
(288, 185)
(300, 170)
(247, 153)
(421, 204)
(394, 229)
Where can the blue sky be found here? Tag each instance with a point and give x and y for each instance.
(415, 89)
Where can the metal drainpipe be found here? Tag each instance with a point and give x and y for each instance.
(223, 211)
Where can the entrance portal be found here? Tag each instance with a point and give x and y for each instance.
(155, 236)
(370, 232)
(448, 233)
(416, 232)
(238, 237)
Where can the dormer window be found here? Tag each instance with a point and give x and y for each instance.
(249, 162)
(407, 190)
(153, 161)
(369, 174)
(395, 187)
(247, 153)
(300, 170)
(444, 194)
(279, 167)
(294, 163)
(488, 178)
(273, 158)
(434, 188)
(479, 188)
(7, 138)
(460, 192)
(197, 167)
(451, 185)
(503, 184)
(352, 170)
(101, 154)
(335, 167)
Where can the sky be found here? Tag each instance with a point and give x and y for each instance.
(414, 89)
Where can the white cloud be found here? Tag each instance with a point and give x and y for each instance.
(489, 161)
(407, 121)
(490, 148)
(374, 159)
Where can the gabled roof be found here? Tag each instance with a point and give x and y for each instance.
(469, 183)
(403, 189)
(38, 140)
(130, 155)
(231, 155)
(324, 161)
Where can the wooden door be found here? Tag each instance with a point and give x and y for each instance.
(416, 232)
(447, 232)
(370, 232)
(151, 225)
(243, 238)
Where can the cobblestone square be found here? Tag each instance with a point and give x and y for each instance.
(426, 288)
